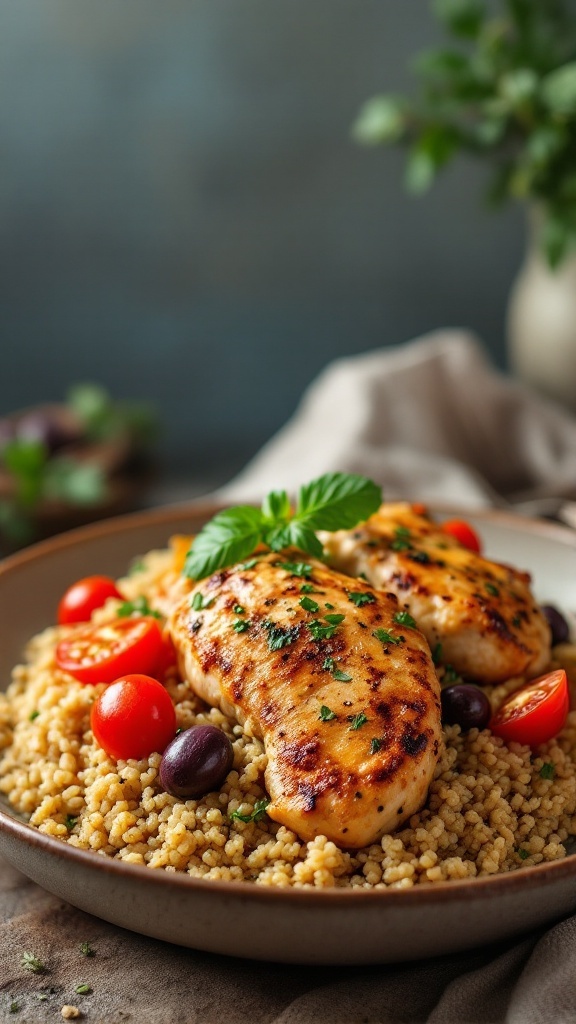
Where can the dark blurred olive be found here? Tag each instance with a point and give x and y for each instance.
(47, 430)
(465, 705)
(558, 625)
(196, 762)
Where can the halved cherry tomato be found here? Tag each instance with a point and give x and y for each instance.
(535, 713)
(133, 717)
(81, 599)
(99, 654)
(463, 533)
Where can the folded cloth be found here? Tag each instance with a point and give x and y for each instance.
(432, 421)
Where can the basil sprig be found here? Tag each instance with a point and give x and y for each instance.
(335, 501)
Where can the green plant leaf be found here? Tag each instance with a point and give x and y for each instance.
(556, 239)
(559, 89)
(74, 482)
(381, 119)
(463, 17)
(337, 501)
(26, 461)
(230, 537)
(518, 86)
(276, 506)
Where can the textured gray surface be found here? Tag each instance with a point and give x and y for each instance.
(183, 215)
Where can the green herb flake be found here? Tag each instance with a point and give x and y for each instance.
(375, 745)
(86, 949)
(492, 589)
(340, 676)
(14, 1006)
(386, 637)
(523, 854)
(296, 568)
(308, 604)
(326, 714)
(320, 631)
(70, 821)
(450, 674)
(42, 997)
(199, 602)
(328, 664)
(360, 599)
(256, 815)
(240, 625)
(437, 654)
(279, 637)
(139, 606)
(248, 565)
(307, 588)
(334, 620)
(329, 606)
(32, 963)
(357, 721)
(547, 771)
(33, 716)
(400, 545)
(83, 989)
(405, 619)
(239, 610)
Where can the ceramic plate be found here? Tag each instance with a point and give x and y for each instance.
(289, 925)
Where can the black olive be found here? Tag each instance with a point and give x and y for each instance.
(465, 705)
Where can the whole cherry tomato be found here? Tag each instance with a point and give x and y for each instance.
(84, 596)
(463, 533)
(99, 654)
(535, 713)
(133, 717)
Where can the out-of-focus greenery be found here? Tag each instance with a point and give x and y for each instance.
(505, 92)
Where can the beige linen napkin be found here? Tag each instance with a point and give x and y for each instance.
(432, 421)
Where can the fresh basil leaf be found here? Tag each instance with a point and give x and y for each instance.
(337, 501)
(301, 536)
(276, 506)
(230, 537)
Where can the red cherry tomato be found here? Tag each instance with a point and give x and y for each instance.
(133, 717)
(168, 658)
(535, 713)
(99, 654)
(84, 596)
(463, 533)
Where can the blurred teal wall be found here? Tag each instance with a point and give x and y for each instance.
(183, 216)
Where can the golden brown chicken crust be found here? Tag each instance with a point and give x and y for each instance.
(481, 614)
(348, 707)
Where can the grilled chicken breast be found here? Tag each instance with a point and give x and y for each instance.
(481, 613)
(343, 694)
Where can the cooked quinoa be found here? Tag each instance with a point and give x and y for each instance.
(490, 808)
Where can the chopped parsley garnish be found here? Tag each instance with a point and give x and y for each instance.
(375, 745)
(386, 637)
(523, 854)
(240, 625)
(334, 501)
(334, 620)
(139, 606)
(307, 588)
(437, 654)
(83, 989)
(14, 1006)
(248, 565)
(320, 631)
(492, 589)
(279, 637)
(86, 949)
(450, 674)
(239, 610)
(405, 619)
(326, 714)
(70, 821)
(33, 716)
(357, 721)
(547, 771)
(199, 602)
(328, 664)
(329, 606)
(296, 568)
(360, 599)
(32, 963)
(256, 815)
(401, 540)
(309, 605)
(340, 676)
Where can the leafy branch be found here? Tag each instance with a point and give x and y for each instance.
(506, 93)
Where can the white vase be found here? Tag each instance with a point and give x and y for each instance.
(542, 324)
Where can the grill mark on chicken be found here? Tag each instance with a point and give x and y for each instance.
(317, 765)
